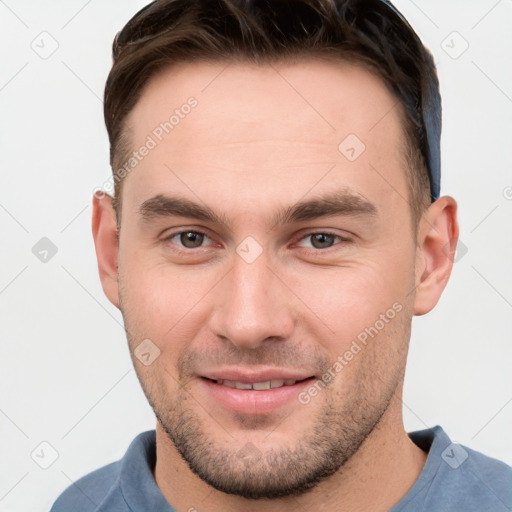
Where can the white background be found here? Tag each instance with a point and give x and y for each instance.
(65, 371)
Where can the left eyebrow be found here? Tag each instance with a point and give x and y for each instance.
(334, 203)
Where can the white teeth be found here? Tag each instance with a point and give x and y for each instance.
(259, 386)
(242, 385)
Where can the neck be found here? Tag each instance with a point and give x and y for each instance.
(375, 478)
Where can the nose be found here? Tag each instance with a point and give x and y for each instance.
(253, 305)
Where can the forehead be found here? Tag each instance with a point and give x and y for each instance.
(292, 127)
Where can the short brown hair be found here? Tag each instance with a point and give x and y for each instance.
(368, 32)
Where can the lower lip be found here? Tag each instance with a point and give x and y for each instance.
(254, 402)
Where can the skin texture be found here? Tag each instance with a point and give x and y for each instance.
(260, 140)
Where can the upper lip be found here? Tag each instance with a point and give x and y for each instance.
(248, 375)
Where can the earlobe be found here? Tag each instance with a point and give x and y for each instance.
(104, 231)
(438, 234)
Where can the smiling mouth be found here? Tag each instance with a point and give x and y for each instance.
(258, 386)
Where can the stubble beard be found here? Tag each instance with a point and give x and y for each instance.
(246, 470)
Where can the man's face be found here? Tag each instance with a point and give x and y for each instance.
(268, 292)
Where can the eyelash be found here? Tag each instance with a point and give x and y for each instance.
(311, 249)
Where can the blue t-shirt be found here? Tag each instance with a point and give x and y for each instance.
(454, 479)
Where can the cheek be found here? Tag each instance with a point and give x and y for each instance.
(162, 302)
(348, 300)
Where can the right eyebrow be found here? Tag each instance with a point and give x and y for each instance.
(165, 206)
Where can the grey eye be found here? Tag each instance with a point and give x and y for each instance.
(191, 239)
(322, 240)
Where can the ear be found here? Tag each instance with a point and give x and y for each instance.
(104, 232)
(438, 233)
